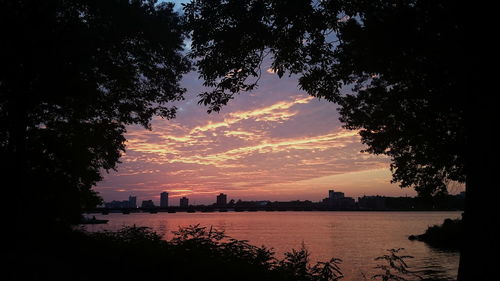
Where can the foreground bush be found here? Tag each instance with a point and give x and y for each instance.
(201, 253)
(195, 253)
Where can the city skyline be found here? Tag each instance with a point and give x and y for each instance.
(222, 200)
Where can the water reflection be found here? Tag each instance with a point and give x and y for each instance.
(355, 237)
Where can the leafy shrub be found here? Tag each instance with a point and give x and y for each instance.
(195, 253)
(394, 267)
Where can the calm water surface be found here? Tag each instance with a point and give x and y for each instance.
(355, 237)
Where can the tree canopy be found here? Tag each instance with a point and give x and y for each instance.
(74, 73)
(401, 61)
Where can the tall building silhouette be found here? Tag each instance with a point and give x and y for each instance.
(184, 202)
(132, 202)
(221, 200)
(164, 200)
(335, 195)
(338, 201)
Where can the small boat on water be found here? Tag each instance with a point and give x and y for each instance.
(92, 220)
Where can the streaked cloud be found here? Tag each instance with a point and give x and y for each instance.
(275, 144)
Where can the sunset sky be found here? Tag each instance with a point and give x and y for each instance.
(276, 143)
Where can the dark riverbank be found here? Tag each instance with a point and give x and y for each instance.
(137, 253)
(446, 236)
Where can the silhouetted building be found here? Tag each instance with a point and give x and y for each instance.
(113, 204)
(164, 200)
(372, 203)
(221, 199)
(184, 202)
(118, 204)
(343, 203)
(132, 202)
(335, 195)
(147, 204)
(347, 203)
(337, 201)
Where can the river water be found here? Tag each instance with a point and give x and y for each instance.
(355, 237)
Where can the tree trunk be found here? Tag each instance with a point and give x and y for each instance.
(475, 261)
(477, 253)
(16, 163)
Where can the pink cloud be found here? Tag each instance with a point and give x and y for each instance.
(275, 144)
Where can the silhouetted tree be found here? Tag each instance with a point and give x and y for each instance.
(400, 58)
(397, 69)
(73, 74)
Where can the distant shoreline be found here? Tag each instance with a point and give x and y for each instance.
(215, 210)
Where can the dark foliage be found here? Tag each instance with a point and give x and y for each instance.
(418, 74)
(447, 236)
(73, 73)
(137, 253)
(402, 59)
(394, 267)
